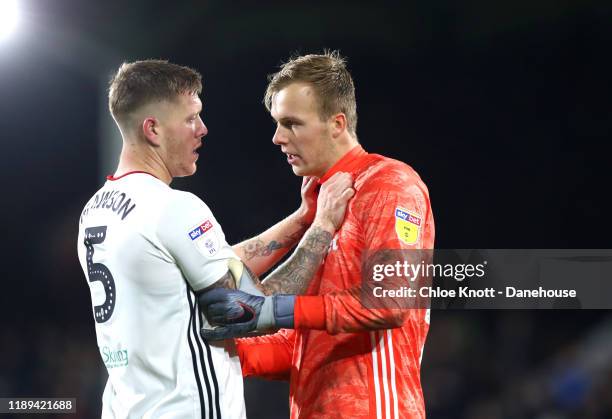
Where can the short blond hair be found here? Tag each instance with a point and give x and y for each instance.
(140, 83)
(329, 78)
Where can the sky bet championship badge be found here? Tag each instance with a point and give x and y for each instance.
(205, 238)
(407, 225)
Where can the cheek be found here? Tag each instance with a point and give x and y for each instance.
(181, 141)
(306, 141)
(317, 144)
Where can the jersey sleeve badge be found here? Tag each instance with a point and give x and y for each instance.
(205, 238)
(407, 225)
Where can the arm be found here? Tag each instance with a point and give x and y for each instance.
(267, 356)
(260, 253)
(193, 240)
(259, 309)
(387, 240)
(293, 276)
(241, 312)
(344, 311)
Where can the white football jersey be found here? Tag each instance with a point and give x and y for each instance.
(144, 248)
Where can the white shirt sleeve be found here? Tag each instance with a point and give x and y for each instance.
(194, 238)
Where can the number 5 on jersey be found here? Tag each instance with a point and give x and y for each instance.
(99, 272)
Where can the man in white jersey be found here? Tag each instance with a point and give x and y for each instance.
(148, 251)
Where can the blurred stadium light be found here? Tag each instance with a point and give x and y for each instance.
(9, 17)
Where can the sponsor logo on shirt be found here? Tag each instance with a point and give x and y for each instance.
(114, 358)
(200, 230)
(407, 225)
(405, 215)
(205, 238)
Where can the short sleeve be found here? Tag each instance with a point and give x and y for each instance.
(194, 238)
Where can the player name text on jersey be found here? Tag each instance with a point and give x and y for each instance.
(115, 200)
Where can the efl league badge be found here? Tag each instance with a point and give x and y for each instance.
(407, 225)
(211, 246)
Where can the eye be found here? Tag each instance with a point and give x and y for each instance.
(289, 124)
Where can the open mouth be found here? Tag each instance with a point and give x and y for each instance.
(292, 158)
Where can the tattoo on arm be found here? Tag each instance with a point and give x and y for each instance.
(257, 247)
(226, 281)
(293, 276)
(295, 237)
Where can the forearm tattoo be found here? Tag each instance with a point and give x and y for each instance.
(257, 247)
(293, 276)
(226, 281)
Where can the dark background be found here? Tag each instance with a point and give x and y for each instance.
(503, 107)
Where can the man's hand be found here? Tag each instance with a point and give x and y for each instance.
(332, 201)
(237, 313)
(308, 208)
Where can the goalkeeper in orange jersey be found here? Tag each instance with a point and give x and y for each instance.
(342, 359)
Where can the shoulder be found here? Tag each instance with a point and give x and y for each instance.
(178, 197)
(184, 215)
(384, 174)
(182, 204)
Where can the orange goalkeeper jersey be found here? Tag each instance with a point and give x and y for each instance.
(344, 360)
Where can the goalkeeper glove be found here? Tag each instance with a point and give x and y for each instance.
(236, 313)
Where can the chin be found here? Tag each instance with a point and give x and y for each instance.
(188, 171)
(302, 171)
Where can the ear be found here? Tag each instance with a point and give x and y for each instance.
(338, 124)
(151, 130)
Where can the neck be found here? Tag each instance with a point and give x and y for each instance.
(139, 157)
(344, 144)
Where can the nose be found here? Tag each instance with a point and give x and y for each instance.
(279, 137)
(203, 129)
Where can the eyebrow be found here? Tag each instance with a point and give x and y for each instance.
(286, 119)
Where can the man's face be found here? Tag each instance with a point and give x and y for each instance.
(300, 133)
(182, 131)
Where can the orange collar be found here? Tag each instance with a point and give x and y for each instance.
(347, 163)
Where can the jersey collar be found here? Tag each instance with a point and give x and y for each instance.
(111, 177)
(347, 163)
